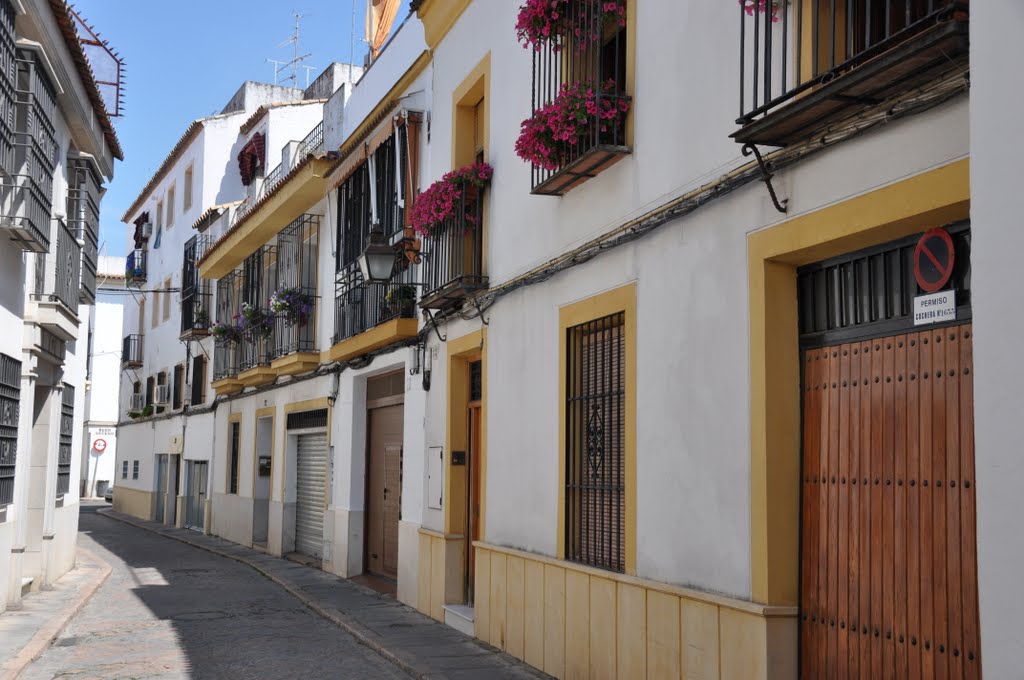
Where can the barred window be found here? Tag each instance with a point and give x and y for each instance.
(233, 470)
(595, 468)
(67, 431)
(124, 470)
(135, 469)
(10, 396)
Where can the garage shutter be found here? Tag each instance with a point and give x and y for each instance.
(312, 483)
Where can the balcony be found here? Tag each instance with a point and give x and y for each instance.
(256, 351)
(371, 316)
(226, 356)
(582, 67)
(57, 285)
(84, 188)
(131, 351)
(25, 213)
(135, 268)
(808, 64)
(453, 257)
(196, 297)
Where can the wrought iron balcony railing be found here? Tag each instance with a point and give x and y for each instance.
(60, 279)
(84, 187)
(359, 307)
(257, 349)
(584, 61)
(311, 143)
(296, 335)
(196, 296)
(805, 64)
(25, 213)
(452, 259)
(135, 267)
(226, 356)
(131, 351)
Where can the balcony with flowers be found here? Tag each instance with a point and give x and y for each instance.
(581, 84)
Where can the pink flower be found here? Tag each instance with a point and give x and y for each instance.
(752, 7)
(545, 21)
(438, 202)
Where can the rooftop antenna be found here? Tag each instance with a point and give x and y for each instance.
(295, 63)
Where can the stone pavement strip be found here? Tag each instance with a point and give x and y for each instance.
(417, 644)
(26, 633)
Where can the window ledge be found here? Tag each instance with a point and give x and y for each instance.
(593, 162)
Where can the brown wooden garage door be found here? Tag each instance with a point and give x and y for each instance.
(888, 567)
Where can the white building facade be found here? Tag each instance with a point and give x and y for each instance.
(57, 148)
(690, 394)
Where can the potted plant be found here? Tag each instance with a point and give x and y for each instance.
(293, 304)
(437, 203)
(226, 332)
(201, 319)
(147, 411)
(400, 301)
(541, 22)
(257, 322)
(549, 137)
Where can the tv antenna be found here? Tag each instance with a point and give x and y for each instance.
(295, 63)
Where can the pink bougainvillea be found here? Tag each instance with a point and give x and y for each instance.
(543, 21)
(761, 6)
(547, 138)
(437, 203)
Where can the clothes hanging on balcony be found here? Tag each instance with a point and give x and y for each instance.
(251, 158)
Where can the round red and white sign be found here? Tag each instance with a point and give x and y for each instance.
(100, 445)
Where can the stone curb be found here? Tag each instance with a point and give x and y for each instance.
(360, 633)
(40, 642)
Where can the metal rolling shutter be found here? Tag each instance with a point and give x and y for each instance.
(312, 482)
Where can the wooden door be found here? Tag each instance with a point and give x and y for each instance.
(473, 497)
(888, 547)
(384, 490)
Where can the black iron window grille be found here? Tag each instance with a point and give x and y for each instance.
(61, 278)
(83, 216)
(8, 71)
(226, 358)
(135, 267)
(476, 381)
(259, 281)
(131, 351)
(235, 459)
(297, 257)
(198, 394)
(302, 420)
(588, 54)
(824, 58)
(227, 351)
(358, 307)
(10, 398)
(124, 470)
(453, 258)
(67, 431)
(196, 298)
(135, 469)
(595, 465)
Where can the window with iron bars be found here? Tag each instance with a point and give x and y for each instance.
(10, 398)
(235, 462)
(595, 496)
(297, 256)
(67, 431)
(196, 298)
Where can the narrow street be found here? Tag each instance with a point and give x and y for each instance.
(169, 610)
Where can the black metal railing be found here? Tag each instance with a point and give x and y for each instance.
(788, 48)
(226, 357)
(67, 433)
(61, 278)
(83, 215)
(298, 335)
(311, 143)
(196, 296)
(297, 265)
(10, 400)
(7, 82)
(358, 307)
(587, 55)
(135, 267)
(256, 349)
(25, 210)
(131, 350)
(452, 259)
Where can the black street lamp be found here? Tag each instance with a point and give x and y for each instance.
(378, 260)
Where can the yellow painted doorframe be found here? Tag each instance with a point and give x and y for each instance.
(462, 351)
(932, 198)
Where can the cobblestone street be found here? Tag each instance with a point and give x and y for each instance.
(169, 610)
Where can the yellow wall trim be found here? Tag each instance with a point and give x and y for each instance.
(134, 502)
(576, 622)
(257, 375)
(440, 572)
(461, 351)
(296, 407)
(228, 385)
(292, 198)
(297, 362)
(232, 419)
(930, 199)
(622, 299)
(266, 412)
(383, 335)
(438, 17)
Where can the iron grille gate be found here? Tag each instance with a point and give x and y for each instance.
(10, 397)
(67, 430)
(595, 511)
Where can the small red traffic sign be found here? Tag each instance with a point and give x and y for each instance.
(100, 444)
(933, 260)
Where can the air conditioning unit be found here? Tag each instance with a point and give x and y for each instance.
(146, 230)
(138, 403)
(163, 395)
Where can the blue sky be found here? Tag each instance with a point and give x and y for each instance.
(184, 59)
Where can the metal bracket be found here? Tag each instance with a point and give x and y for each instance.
(433, 324)
(766, 176)
(480, 312)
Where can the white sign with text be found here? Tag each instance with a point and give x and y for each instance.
(935, 308)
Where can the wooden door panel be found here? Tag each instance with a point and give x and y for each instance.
(383, 489)
(888, 553)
